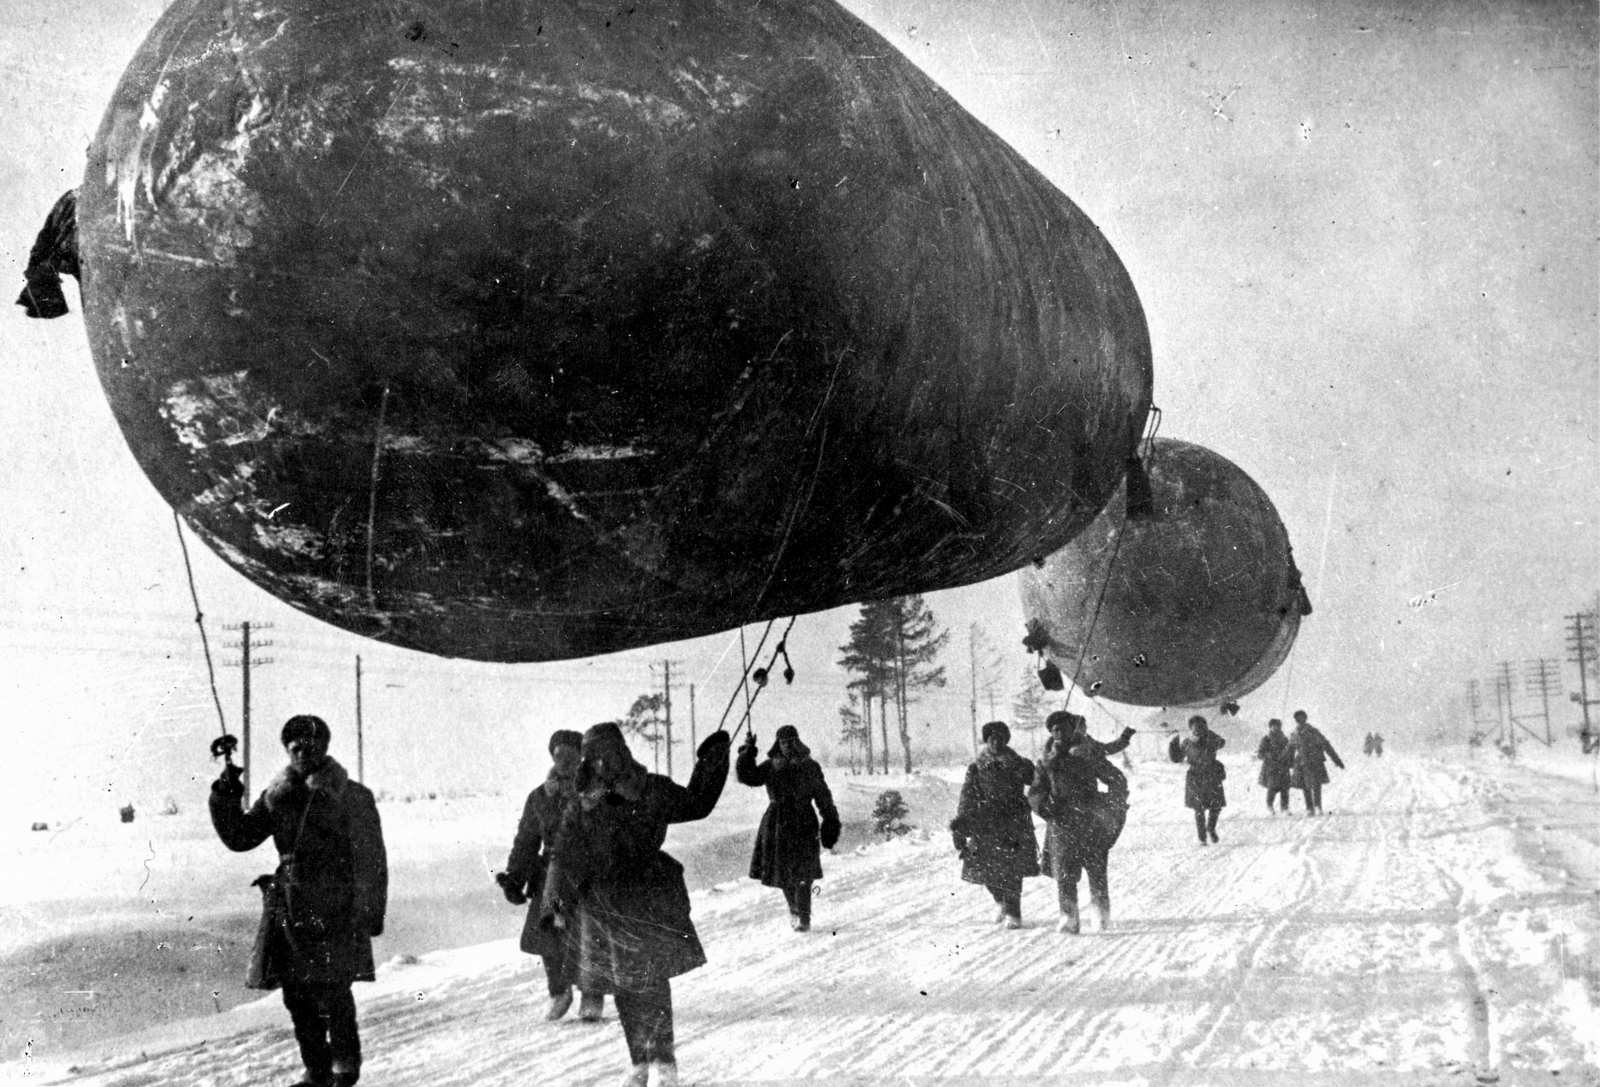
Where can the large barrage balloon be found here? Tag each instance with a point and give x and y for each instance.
(530, 331)
(1203, 600)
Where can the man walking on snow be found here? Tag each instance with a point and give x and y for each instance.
(1308, 748)
(326, 901)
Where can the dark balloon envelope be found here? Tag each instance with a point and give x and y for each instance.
(1201, 603)
(526, 332)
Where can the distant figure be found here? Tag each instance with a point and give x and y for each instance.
(327, 899)
(1308, 748)
(786, 853)
(1277, 768)
(1202, 785)
(1369, 744)
(631, 907)
(525, 875)
(1083, 822)
(993, 827)
(1377, 744)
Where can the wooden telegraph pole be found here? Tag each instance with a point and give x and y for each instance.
(246, 663)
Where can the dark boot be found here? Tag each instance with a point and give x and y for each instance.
(1069, 919)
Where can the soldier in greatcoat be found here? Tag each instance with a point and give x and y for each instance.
(325, 902)
(786, 853)
(1309, 749)
(1083, 821)
(993, 827)
(525, 871)
(1202, 784)
(1276, 766)
(628, 899)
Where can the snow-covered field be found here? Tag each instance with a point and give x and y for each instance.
(1438, 926)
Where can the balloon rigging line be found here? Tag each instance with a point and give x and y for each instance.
(764, 674)
(1322, 569)
(1155, 428)
(211, 673)
(745, 679)
(372, 491)
(1105, 583)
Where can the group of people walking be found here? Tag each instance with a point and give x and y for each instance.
(1298, 760)
(608, 909)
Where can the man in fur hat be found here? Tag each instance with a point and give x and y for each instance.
(786, 853)
(1084, 822)
(631, 905)
(525, 873)
(993, 827)
(326, 901)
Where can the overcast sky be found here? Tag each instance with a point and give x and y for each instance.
(1365, 238)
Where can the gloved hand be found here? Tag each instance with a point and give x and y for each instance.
(230, 783)
(713, 745)
(1129, 731)
(510, 889)
(829, 832)
(749, 742)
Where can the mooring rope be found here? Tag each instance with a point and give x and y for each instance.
(199, 618)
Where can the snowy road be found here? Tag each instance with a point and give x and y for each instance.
(1403, 938)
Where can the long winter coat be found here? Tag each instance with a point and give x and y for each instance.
(631, 905)
(789, 843)
(1202, 785)
(1273, 751)
(1080, 817)
(328, 897)
(994, 817)
(530, 857)
(1308, 750)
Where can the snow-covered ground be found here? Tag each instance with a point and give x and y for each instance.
(1424, 932)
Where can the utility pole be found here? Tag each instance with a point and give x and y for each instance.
(246, 662)
(1508, 720)
(1475, 702)
(666, 683)
(361, 750)
(1581, 649)
(694, 744)
(1542, 677)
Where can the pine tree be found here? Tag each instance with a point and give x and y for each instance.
(853, 731)
(892, 646)
(646, 718)
(1028, 708)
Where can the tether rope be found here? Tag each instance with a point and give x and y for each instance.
(211, 672)
(744, 680)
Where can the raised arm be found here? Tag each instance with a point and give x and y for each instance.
(748, 771)
(705, 784)
(240, 831)
(1175, 748)
(1332, 754)
(1120, 744)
